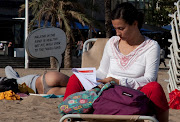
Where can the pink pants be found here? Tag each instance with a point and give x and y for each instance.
(153, 91)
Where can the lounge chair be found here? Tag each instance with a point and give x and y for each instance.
(173, 79)
(91, 57)
(174, 63)
(174, 71)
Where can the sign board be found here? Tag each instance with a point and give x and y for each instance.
(46, 42)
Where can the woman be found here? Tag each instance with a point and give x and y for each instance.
(49, 83)
(130, 59)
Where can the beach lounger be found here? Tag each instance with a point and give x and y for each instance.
(174, 63)
(91, 57)
(174, 71)
(173, 79)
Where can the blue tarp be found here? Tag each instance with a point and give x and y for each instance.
(167, 27)
(77, 25)
(81, 27)
(147, 31)
(42, 24)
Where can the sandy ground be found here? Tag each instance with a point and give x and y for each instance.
(39, 109)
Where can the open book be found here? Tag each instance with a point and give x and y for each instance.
(87, 77)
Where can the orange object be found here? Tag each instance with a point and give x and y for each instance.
(9, 95)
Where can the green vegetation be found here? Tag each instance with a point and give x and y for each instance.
(66, 12)
(163, 8)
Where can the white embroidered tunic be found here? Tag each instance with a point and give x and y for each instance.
(133, 70)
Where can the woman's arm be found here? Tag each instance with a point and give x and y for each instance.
(103, 69)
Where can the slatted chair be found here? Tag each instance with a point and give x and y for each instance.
(174, 63)
(174, 71)
(174, 81)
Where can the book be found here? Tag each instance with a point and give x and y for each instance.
(87, 77)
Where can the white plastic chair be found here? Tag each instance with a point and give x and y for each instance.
(178, 9)
(173, 72)
(175, 38)
(173, 80)
(175, 62)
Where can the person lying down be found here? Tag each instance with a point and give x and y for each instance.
(52, 82)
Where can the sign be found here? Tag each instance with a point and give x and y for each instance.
(46, 42)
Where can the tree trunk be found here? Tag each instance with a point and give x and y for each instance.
(67, 56)
(53, 61)
(108, 27)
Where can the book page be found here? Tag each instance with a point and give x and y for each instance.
(87, 77)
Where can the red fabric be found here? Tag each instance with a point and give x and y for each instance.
(174, 102)
(153, 91)
(73, 86)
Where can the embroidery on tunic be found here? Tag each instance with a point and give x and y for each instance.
(125, 61)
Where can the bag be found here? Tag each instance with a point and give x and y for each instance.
(174, 102)
(81, 102)
(120, 100)
(8, 84)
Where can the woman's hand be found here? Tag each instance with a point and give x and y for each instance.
(108, 79)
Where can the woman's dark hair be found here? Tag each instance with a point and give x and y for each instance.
(128, 13)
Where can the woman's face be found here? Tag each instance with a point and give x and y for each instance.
(124, 30)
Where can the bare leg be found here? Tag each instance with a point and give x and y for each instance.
(57, 90)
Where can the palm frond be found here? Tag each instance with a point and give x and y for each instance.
(83, 19)
(21, 10)
(66, 12)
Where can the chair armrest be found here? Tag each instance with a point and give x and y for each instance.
(96, 117)
(85, 45)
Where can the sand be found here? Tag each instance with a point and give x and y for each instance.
(32, 108)
(39, 109)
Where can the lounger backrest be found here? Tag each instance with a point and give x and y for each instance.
(92, 57)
